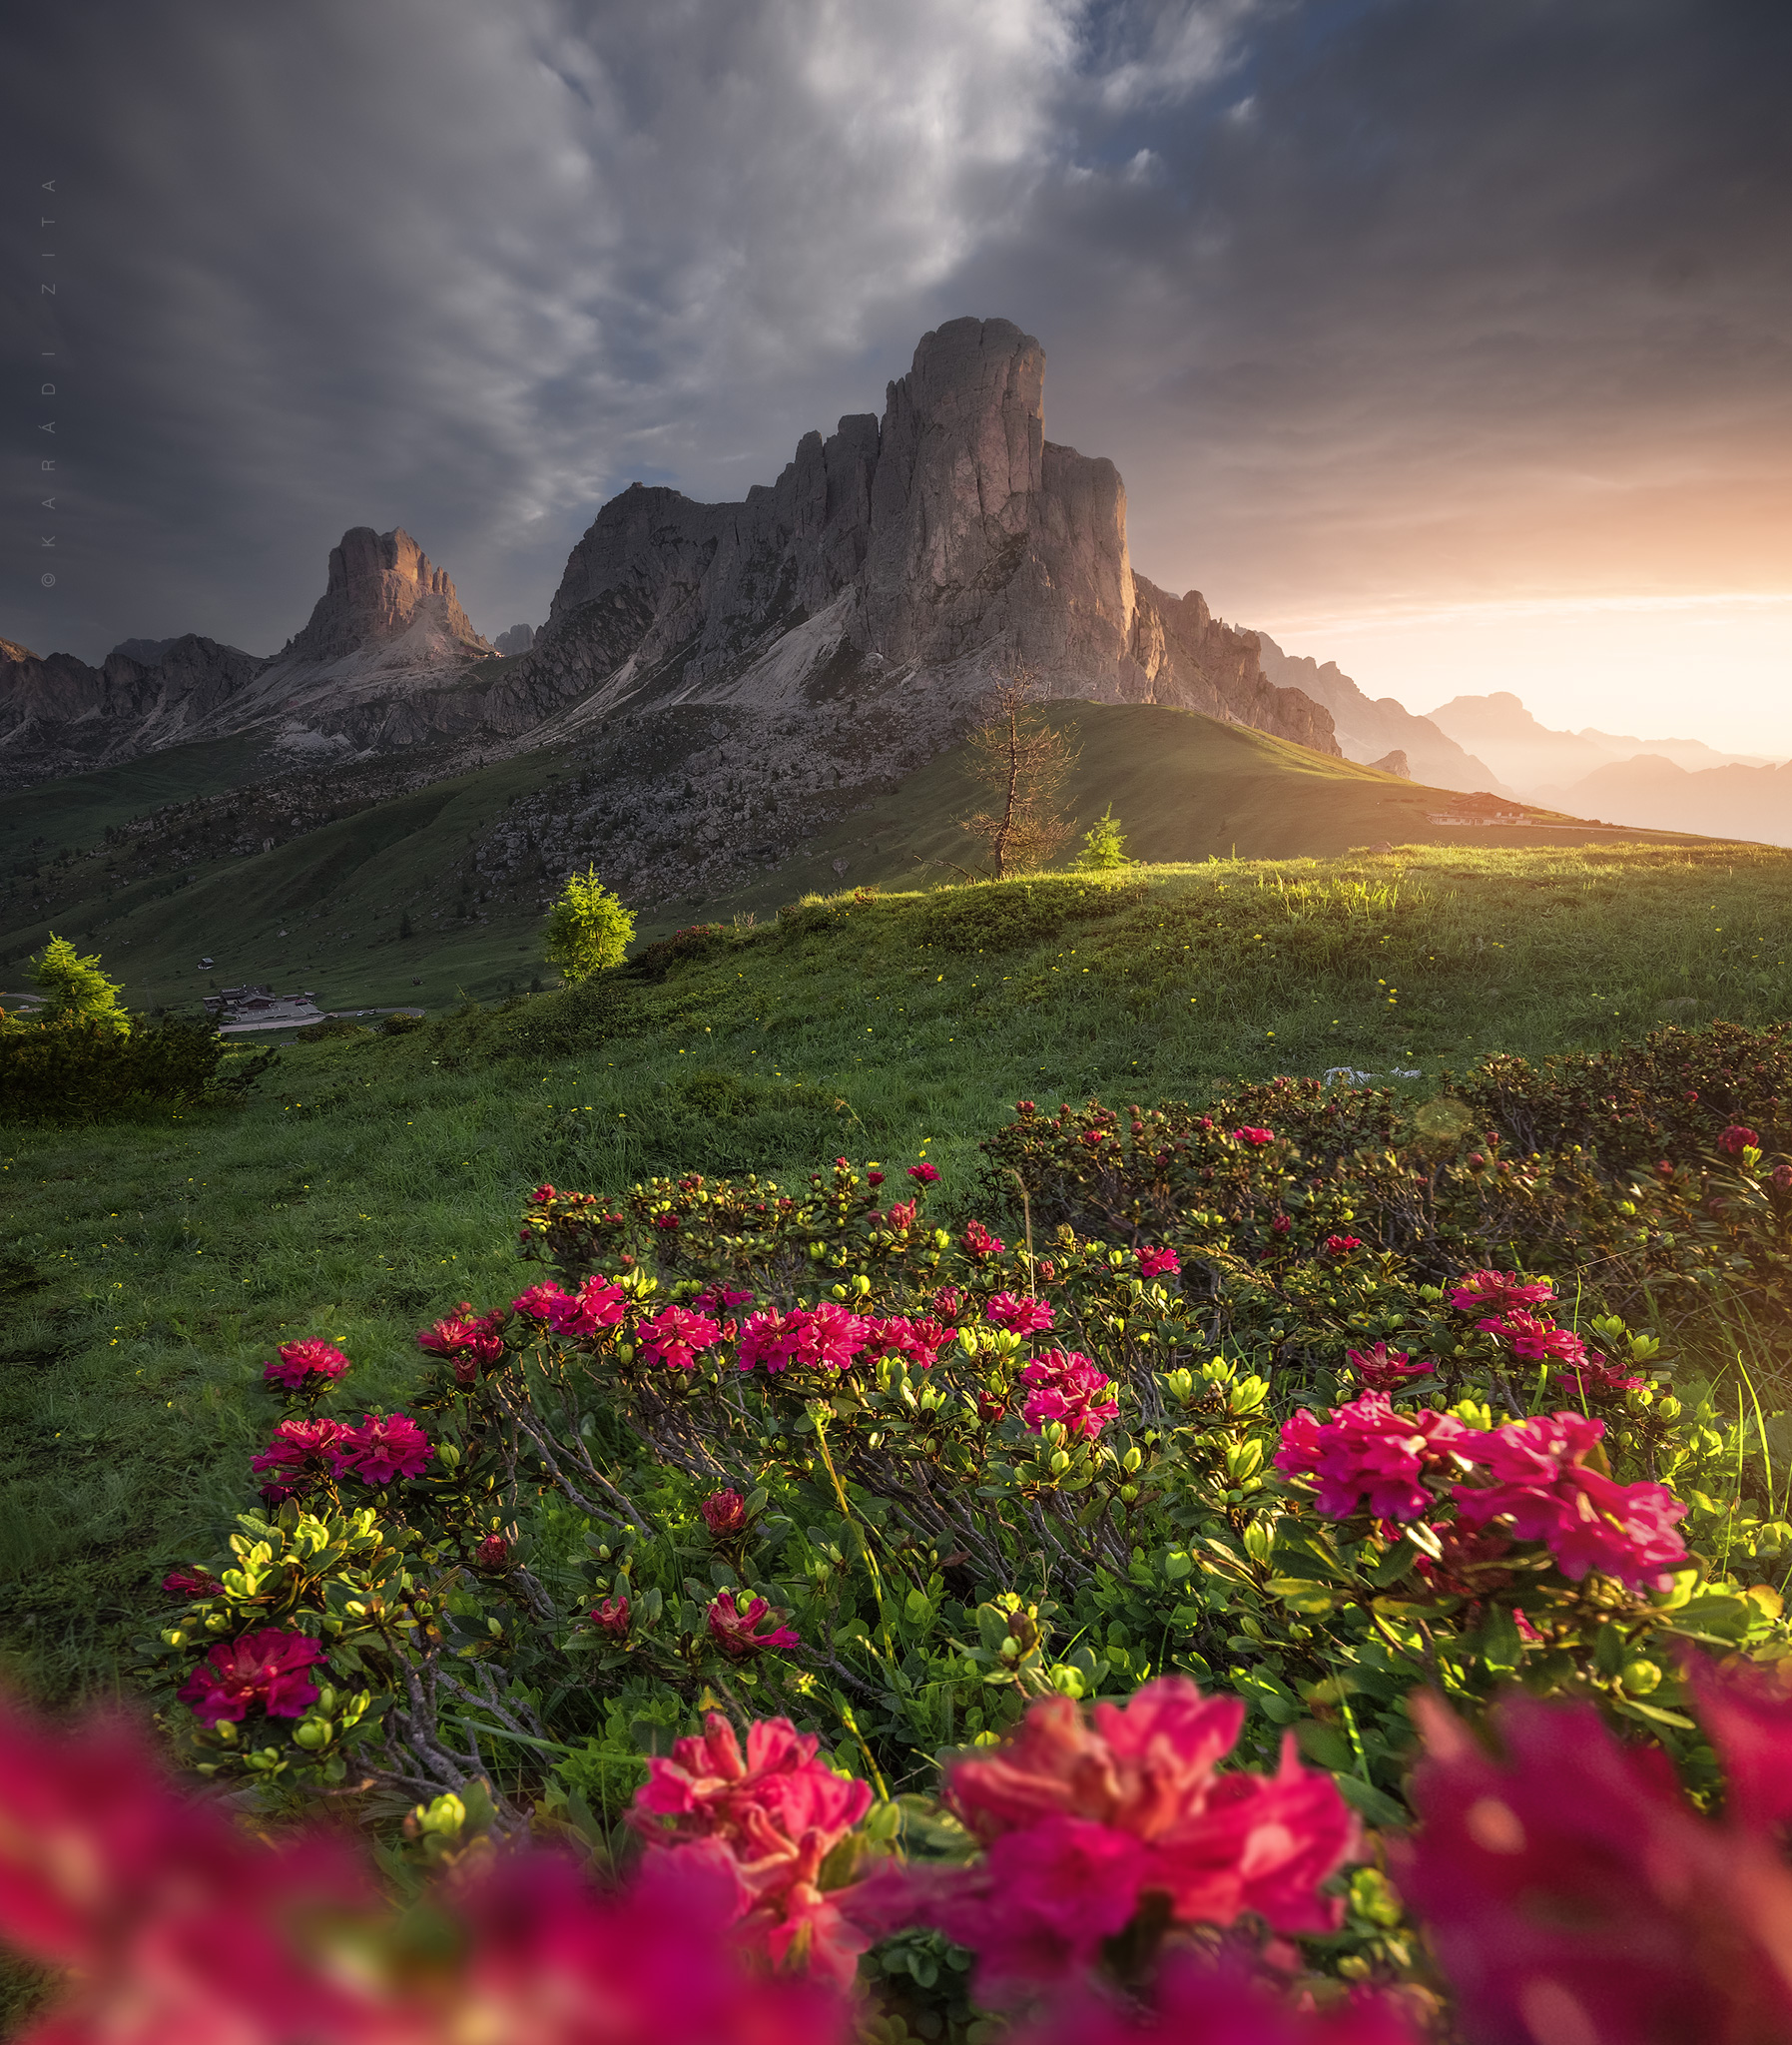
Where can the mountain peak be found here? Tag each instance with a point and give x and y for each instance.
(379, 584)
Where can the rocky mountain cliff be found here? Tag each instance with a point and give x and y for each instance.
(60, 716)
(894, 564)
(1369, 729)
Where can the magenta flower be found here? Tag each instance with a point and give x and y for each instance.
(1496, 1292)
(901, 1214)
(1368, 1455)
(1018, 1316)
(924, 1171)
(190, 1583)
(303, 1365)
(1255, 1137)
(1341, 1245)
(612, 1616)
(777, 1813)
(302, 1448)
(724, 1513)
(676, 1336)
(1592, 1375)
(1084, 1817)
(719, 1299)
(919, 1341)
(598, 1304)
(731, 1627)
(536, 1302)
(946, 1301)
(1065, 1386)
(1384, 1370)
(823, 1337)
(1164, 1263)
(1735, 1139)
(465, 1336)
(978, 1242)
(1572, 1892)
(271, 1668)
(1536, 1341)
(1545, 1490)
(385, 1446)
(493, 1553)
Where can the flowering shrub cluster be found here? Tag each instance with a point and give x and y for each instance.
(1185, 1481)
(1114, 1879)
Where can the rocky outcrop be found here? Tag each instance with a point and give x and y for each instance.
(519, 639)
(1368, 728)
(60, 716)
(381, 587)
(898, 562)
(1395, 762)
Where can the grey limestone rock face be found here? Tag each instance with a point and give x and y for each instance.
(378, 583)
(519, 639)
(946, 537)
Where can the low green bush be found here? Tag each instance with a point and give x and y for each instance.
(75, 1069)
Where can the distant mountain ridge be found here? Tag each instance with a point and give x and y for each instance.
(889, 569)
(1370, 729)
(1534, 759)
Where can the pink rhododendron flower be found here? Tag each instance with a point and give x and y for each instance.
(1746, 1711)
(874, 1178)
(1593, 1374)
(947, 1301)
(1571, 1894)
(1341, 1245)
(1735, 1139)
(924, 1171)
(598, 1304)
(1368, 1455)
(724, 1512)
(1281, 1224)
(823, 1337)
(1382, 1369)
(778, 1812)
(612, 1616)
(302, 1448)
(1544, 1489)
(918, 1342)
(493, 1553)
(190, 1583)
(1164, 1263)
(385, 1446)
(465, 1336)
(550, 1962)
(719, 1299)
(1496, 1292)
(676, 1337)
(731, 1627)
(1018, 1316)
(180, 1928)
(271, 1668)
(536, 1304)
(1064, 1385)
(978, 1242)
(1255, 1137)
(1202, 2004)
(1536, 1341)
(305, 1363)
(1084, 1816)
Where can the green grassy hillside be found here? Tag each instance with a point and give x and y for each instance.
(370, 1183)
(469, 860)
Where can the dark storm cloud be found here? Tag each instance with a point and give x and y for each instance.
(1349, 291)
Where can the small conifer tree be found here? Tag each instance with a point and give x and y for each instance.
(587, 929)
(1103, 845)
(76, 991)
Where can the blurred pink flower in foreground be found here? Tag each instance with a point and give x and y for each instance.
(1082, 1815)
(778, 1812)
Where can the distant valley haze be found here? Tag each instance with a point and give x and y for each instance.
(1444, 344)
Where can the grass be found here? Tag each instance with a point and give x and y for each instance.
(371, 1182)
(470, 859)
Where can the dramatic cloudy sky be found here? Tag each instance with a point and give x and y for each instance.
(1452, 339)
